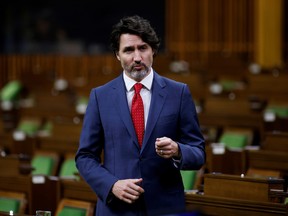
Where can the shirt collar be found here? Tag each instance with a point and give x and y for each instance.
(146, 82)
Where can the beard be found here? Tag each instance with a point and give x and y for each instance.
(137, 75)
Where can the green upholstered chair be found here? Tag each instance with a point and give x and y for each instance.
(82, 104)
(228, 85)
(188, 178)
(234, 140)
(10, 91)
(9, 204)
(72, 211)
(13, 201)
(43, 165)
(28, 127)
(73, 207)
(68, 169)
(279, 111)
(47, 127)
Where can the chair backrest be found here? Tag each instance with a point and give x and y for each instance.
(45, 163)
(71, 207)
(42, 165)
(68, 168)
(236, 137)
(10, 91)
(13, 201)
(71, 211)
(280, 111)
(9, 204)
(233, 140)
(189, 179)
(29, 126)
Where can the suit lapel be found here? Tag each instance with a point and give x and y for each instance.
(157, 101)
(121, 104)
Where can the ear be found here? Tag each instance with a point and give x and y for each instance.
(117, 55)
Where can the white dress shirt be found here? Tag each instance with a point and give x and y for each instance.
(145, 91)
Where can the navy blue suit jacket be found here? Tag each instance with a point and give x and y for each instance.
(108, 126)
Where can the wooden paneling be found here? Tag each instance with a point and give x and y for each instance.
(209, 26)
(268, 23)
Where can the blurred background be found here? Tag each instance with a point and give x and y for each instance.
(38, 27)
(231, 53)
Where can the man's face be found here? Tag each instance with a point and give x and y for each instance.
(135, 55)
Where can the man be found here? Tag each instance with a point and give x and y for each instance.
(140, 174)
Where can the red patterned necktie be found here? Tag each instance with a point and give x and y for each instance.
(137, 113)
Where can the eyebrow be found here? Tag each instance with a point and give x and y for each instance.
(132, 47)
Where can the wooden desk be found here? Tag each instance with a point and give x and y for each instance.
(61, 146)
(245, 188)
(259, 86)
(221, 206)
(209, 205)
(222, 112)
(7, 214)
(79, 190)
(275, 141)
(271, 160)
(228, 162)
(14, 165)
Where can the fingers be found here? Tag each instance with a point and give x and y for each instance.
(135, 185)
(133, 190)
(166, 147)
(160, 146)
(130, 198)
(128, 190)
(162, 143)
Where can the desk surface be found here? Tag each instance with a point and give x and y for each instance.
(7, 213)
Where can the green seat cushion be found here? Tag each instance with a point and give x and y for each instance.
(10, 91)
(43, 165)
(48, 126)
(228, 85)
(28, 127)
(8, 204)
(81, 105)
(234, 140)
(280, 111)
(188, 178)
(68, 168)
(83, 100)
(70, 211)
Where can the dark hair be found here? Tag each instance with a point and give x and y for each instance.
(135, 25)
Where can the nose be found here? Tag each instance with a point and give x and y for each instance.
(137, 56)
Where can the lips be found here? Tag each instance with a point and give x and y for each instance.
(138, 67)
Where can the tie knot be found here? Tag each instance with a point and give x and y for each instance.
(138, 87)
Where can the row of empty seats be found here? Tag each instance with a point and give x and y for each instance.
(46, 193)
(48, 163)
(41, 126)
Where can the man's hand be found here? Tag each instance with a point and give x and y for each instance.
(167, 148)
(128, 190)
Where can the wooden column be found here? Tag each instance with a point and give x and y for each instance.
(268, 32)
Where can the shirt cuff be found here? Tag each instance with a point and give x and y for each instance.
(177, 160)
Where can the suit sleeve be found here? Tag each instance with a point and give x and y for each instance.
(191, 142)
(88, 156)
